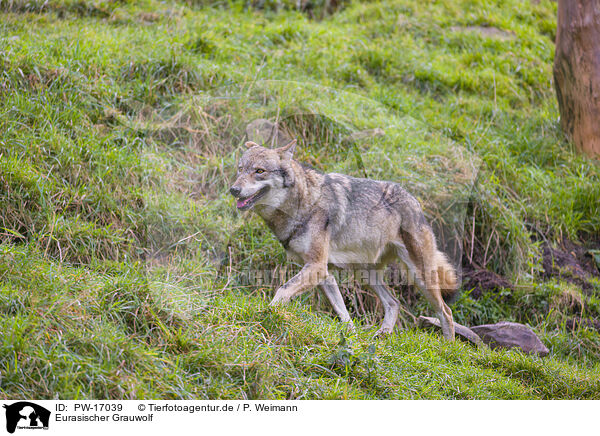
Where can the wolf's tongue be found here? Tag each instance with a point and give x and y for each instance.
(242, 203)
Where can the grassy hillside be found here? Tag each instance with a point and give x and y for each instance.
(125, 268)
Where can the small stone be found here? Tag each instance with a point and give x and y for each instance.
(511, 335)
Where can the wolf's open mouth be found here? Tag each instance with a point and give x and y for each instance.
(248, 202)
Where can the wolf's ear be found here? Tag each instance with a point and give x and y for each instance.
(287, 151)
(251, 144)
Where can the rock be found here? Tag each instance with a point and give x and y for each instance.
(266, 133)
(461, 331)
(511, 335)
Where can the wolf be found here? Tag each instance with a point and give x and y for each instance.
(335, 220)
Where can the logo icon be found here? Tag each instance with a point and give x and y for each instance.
(26, 415)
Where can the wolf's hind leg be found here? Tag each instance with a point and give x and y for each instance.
(423, 271)
(331, 290)
(432, 291)
(442, 311)
(391, 306)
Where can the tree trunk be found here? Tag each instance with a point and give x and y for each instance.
(577, 72)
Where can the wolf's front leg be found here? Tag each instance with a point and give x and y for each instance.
(309, 276)
(330, 287)
(311, 244)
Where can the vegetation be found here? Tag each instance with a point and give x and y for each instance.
(124, 266)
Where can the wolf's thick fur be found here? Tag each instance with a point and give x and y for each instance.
(325, 220)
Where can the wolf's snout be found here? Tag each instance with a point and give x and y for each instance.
(235, 191)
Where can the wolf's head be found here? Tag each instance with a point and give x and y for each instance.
(264, 176)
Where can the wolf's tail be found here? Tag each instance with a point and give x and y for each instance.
(447, 276)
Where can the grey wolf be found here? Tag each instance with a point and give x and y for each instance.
(325, 220)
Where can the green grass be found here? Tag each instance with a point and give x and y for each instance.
(122, 258)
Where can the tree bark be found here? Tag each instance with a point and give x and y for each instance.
(577, 72)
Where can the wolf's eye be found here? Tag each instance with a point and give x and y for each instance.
(260, 171)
